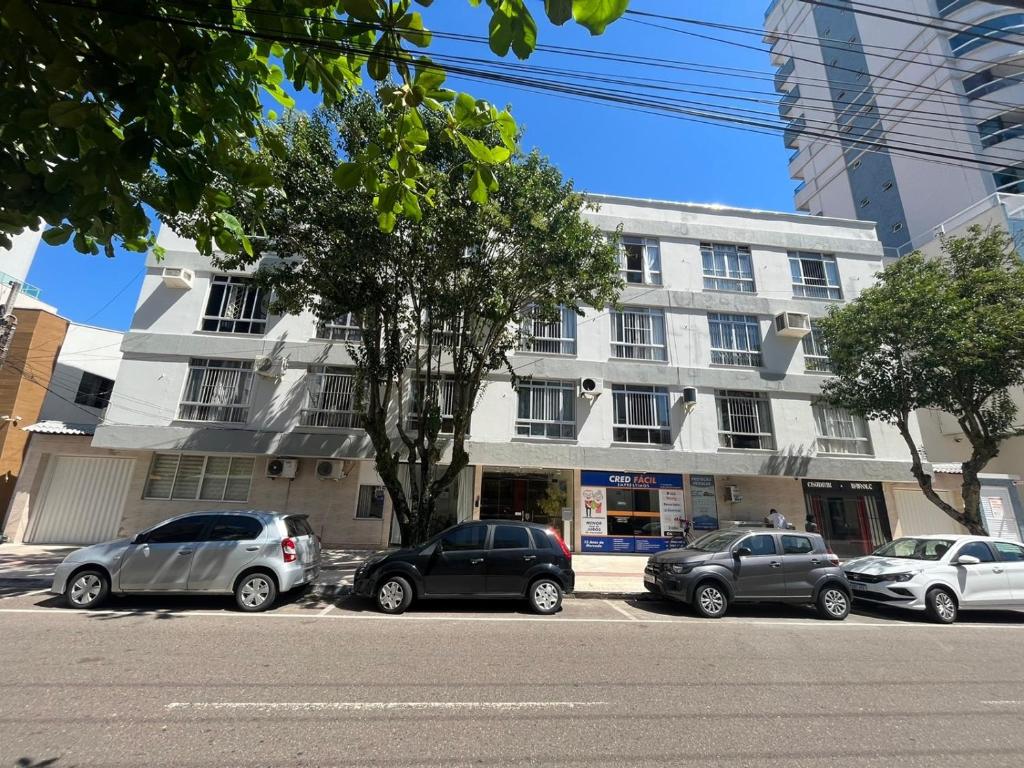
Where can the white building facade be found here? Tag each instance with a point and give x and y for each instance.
(694, 400)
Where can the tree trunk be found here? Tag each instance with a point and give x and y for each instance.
(925, 480)
(983, 451)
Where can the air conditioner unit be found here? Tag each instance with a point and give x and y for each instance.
(286, 468)
(178, 277)
(270, 367)
(330, 469)
(793, 324)
(590, 387)
(689, 398)
(732, 493)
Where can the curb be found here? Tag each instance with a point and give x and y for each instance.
(594, 595)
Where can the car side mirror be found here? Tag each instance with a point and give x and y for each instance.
(742, 552)
(967, 560)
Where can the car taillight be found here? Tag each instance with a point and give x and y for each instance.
(561, 543)
(832, 557)
(288, 550)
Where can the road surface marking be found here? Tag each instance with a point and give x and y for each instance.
(326, 610)
(622, 610)
(379, 706)
(1003, 703)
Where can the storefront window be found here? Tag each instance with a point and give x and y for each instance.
(629, 511)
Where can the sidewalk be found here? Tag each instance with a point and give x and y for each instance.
(28, 566)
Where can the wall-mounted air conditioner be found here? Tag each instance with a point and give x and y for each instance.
(285, 468)
(795, 325)
(330, 469)
(270, 367)
(178, 277)
(590, 387)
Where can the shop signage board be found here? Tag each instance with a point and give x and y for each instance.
(594, 506)
(666, 488)
(703, 503)
(671, 503)
(650, 480)
(842, 485)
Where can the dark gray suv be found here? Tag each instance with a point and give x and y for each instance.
(741, 565)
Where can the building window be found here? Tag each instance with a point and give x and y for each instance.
(1010, 180)
(546, 409)
(94, 391)
(744, 420)
(735, 339)
(993, 79)
(447, 393)
(640, 260)
(1009, 125)
(332, 399)
(371, 502)
(639, 334)
(555, 337)
(727, 268)
(840, 431)
(235, 305)
(815, 354)
(343, 328)
(815, 275)
(999, 28)
(641, 414)
(208, 478)
(217, 390)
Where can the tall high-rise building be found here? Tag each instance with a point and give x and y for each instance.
(910, 115)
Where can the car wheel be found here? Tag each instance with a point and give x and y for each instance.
(710, 601)
(87, 589)
(940, 606)
(545, 596)
(833, 603)
(255, 592)
(394, 594)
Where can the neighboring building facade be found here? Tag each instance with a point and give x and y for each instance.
(957, 91)
(694, 400)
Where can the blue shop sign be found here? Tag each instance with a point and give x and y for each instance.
(652, 480)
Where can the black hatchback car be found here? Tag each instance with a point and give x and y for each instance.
(480, 559)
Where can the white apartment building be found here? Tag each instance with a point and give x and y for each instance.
(693, 400)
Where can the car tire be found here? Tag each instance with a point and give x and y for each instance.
(394, 594)
(87, 589)
(545, 596)
(255, 592)
(833, 603)
(710, 601)
(940, 606)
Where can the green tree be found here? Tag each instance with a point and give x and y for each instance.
(440, 298)
(942, 333)
(95, 94)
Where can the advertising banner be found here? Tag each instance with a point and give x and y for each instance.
(703, 503)
(609, 544)
(652, 480)
(594, 514)
(672, 515)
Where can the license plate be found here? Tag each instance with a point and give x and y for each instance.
(649, 579)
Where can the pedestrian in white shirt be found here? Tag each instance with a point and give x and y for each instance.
(776, 519)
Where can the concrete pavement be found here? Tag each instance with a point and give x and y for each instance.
(177, 682)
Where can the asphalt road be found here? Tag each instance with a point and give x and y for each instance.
(605, 683)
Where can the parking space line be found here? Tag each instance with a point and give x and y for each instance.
(621, 610)
(377, 706)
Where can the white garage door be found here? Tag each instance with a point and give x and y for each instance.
(918, 516)
(81, 500)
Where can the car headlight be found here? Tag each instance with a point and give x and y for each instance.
(680, 568)
(903, 576)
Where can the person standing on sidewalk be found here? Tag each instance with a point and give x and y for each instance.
(776, 519)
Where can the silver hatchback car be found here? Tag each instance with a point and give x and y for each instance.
(253, 555)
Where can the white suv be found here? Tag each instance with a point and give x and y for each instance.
(941, 575)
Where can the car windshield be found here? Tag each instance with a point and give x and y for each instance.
(915, 549)
(717, 541)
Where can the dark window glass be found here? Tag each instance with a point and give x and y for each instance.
(510, 537)
(1011, 552)
(796, 545)
(178, 532)
(94, 391)
(298, 526)
(541, 540)
(762, 544)
(235, 529)
(978, 549)
(470, 537)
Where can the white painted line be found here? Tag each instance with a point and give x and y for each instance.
(622, 610)
(379, 706)
(1003, 703)
(326, 610)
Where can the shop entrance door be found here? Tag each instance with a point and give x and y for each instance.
(507, 496)
(852, 523)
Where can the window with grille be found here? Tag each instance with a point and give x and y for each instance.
(744, 420)
(217, 390)
(546, 409)
(209, 478)
(841, 432)
(332, 399)
(447, 392)
(640, 260)
(343, 328)
(235, 305)
(638, 333)
(735, 339)
(370, 505)
(641, 414)
(727, 268)
(94, 391)
(815, 275)
(555, 337)
(815, 354)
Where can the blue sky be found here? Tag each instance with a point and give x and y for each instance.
(604, 149)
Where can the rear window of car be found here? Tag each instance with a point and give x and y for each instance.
(234, 528)
(797, 545)
(541, 539)
(1011, 552)
(298, 526)
(510, 537)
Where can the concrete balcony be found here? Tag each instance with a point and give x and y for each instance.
(788, 103)
(783, 75)
(791, 134)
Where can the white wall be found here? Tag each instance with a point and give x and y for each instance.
(17, 260)
(85, 348)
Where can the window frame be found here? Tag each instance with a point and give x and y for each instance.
(816, 359)
(249, 311)
(204, 526)
(493, 537)
(731, 324)
(623, 430)
(713, 280)
(314, 415)
(332, 330)
(372, 487)
(656, 323)
(533, 343)
(825, 290)
(648, 245)
(447, 400)
(727, 437)
(750, 537)
(202, 476)
(566, 427)
(98, 396)
(800, 536)
(245, 373)
(827, 417)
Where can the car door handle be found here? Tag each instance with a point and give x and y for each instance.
(184, 551)
(476, 561)
(529, 557)
(251, 549)
(815, 561)
(775, 564)
(997, 570)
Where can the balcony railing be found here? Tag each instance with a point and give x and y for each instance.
(783, 74)
(26, 288)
